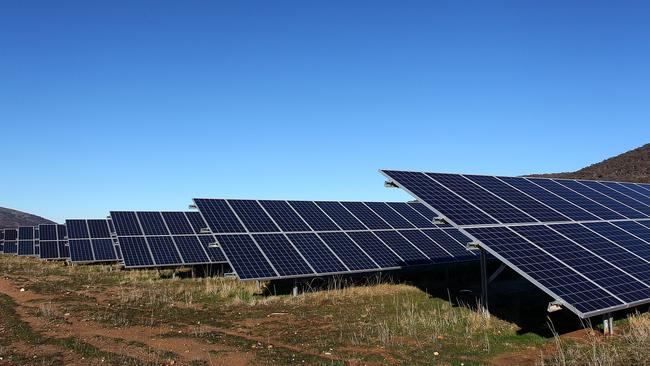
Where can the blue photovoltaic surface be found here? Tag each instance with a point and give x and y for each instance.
(353, 257)
(341, 216)
(317, 253)
(366, 215)
(376, 249)
(243, 250)
(579, 200)
(412, 215)
(90, 241)
(517, 198)
(10, 242)
(331, 236)
(602, 199)
(313, 216)
(50, 242)
(404, 247)
(616, 193)
(613, 256)
(164, 239)
(26, 240)
(219, 216)
(253, 216)
(554, 276)
(549, 199)
(284, 216)
(440, 198)
(392, 217)
(483, 199)
(282, 255)
(602, 246)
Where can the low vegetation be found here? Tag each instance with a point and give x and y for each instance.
(55, 314)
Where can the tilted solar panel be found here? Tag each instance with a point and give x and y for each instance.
(10, 241)
(287, 239)
(164, 239)
(26, 241)
(585, 243)
(90, 241)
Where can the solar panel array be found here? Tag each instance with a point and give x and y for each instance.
(265, 239)
(90, 241)
(164, 239)
(10, 241)
(586, 243)
(26, 241)
(53, 242)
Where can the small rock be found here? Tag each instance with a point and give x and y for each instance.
(436, 353)
(22, 289)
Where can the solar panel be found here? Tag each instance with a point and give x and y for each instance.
(26, 241)
(90, 241)
(52, 241)
(2, 240)
(287, 239)
(164, 239)
(10, 241)
(585, 243)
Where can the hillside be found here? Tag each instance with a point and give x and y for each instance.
(631, 166)
(15, 218)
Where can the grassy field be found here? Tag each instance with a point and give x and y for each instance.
(52, 314)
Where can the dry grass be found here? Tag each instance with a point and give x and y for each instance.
(630, 346)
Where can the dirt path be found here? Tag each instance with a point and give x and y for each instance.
(116, 340)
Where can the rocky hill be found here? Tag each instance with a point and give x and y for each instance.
(631, 166)
(14, 218)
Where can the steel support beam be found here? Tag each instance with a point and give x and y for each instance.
(484, 281)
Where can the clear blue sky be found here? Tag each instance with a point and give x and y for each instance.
(145, 104)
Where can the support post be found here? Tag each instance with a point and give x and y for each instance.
(484, 281)
(608, 324)
(257, 285)
(193, 272)
(294, 292)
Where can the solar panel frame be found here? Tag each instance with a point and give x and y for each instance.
(90, 241)
(167, 239)
(640, 284)
(26, 241)
(329, 225)
(11, 241)
(51, 243)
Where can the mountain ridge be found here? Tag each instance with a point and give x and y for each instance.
(630, 166)
(10, 218)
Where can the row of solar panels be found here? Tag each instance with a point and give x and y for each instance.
(95, 240)
(258, 239)
(585, 243)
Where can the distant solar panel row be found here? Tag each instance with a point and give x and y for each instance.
(90, 241)
(471, 200)
(160, 239)
(53, 242)
(283, 239)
